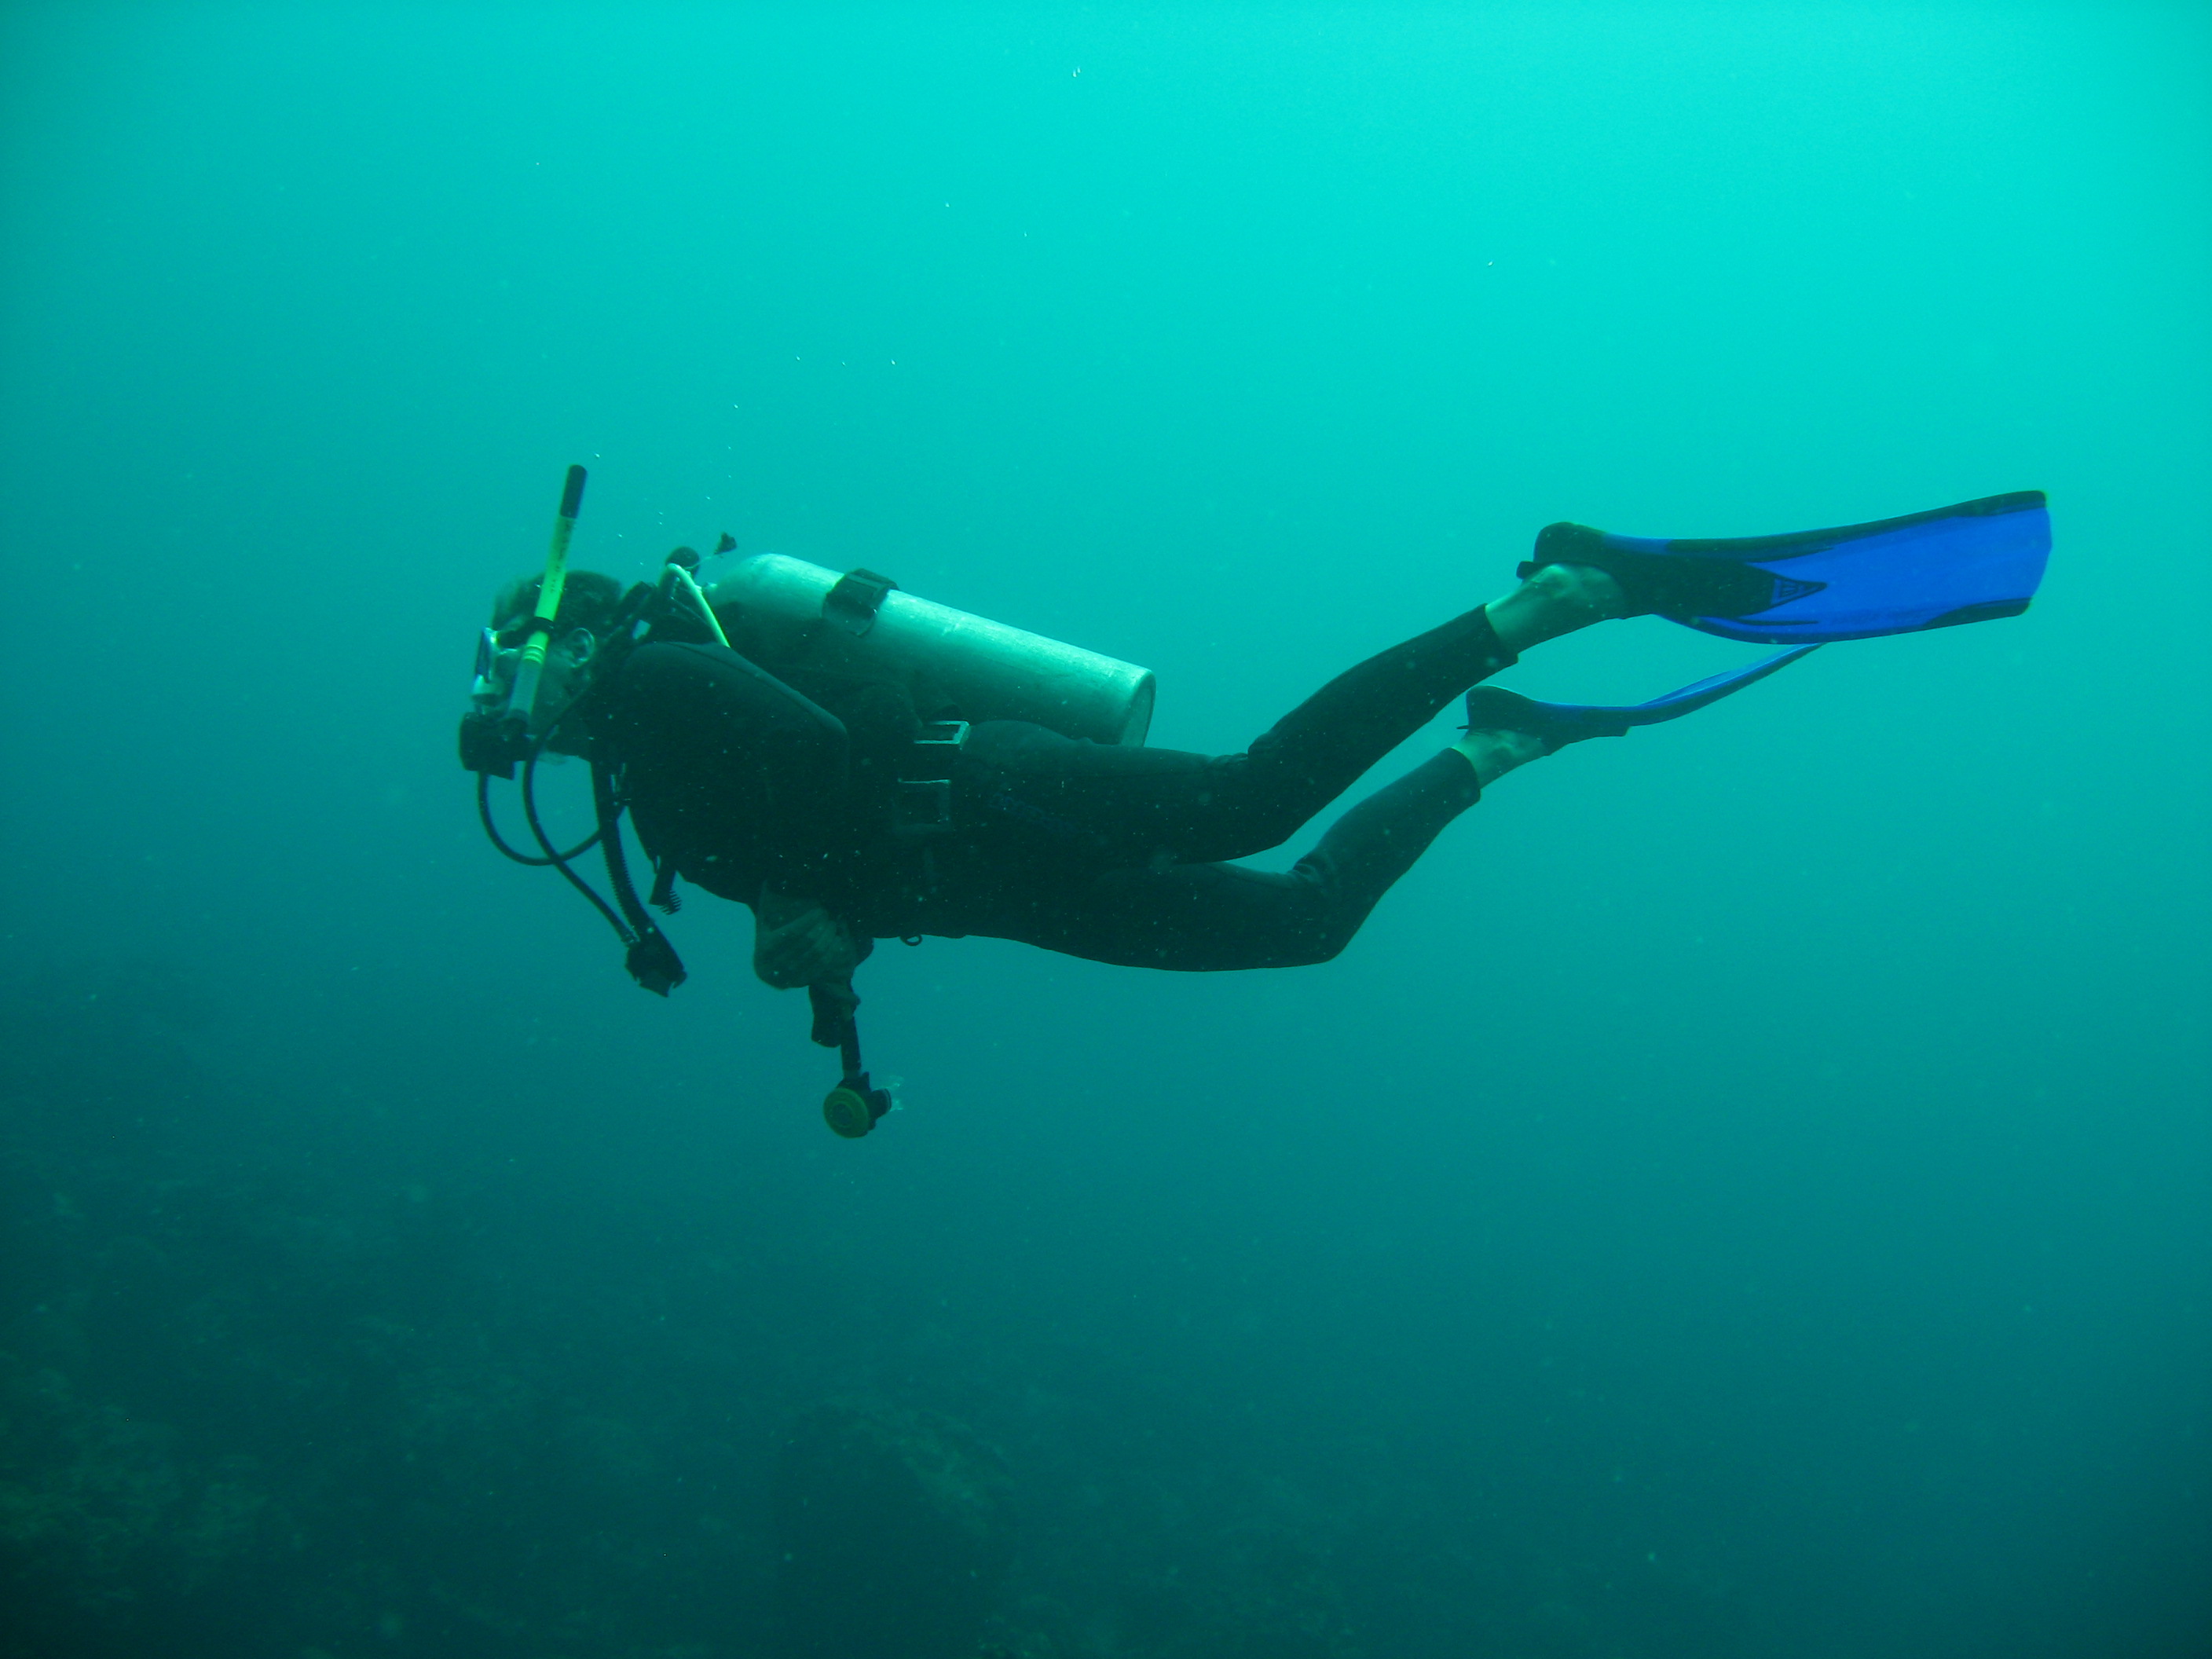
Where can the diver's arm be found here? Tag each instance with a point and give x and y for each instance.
(796, 942)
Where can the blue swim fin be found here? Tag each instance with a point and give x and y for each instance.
(1490, 709)
(1957, 564)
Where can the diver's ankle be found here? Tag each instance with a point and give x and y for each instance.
(1493, 754)
(1558, 599)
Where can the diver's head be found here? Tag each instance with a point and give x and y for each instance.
(588, 603)
(588, 600)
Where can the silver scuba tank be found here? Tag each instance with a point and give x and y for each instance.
(785, 612)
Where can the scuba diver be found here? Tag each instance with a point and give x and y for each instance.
(855, 764)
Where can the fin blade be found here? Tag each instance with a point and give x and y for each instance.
(1973, 561)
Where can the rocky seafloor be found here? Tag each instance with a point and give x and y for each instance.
(256, 1401)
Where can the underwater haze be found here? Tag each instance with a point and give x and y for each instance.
(1745, 1194)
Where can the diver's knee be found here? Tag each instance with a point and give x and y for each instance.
(1326, 945)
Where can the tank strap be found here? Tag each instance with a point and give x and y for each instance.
(854, 602)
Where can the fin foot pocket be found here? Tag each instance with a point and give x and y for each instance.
(1676, 587)
(1555, 725)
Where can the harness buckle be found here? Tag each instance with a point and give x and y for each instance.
(921, 801)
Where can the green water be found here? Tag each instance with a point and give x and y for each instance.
(1744, 1193)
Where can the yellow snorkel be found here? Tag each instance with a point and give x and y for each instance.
(531, 665)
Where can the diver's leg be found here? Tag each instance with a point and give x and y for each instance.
(1152, 806)
(1556, 600)
(1216, 917)
(1318, 750)
(1493, 754)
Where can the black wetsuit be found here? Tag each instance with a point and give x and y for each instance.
(1114, 854)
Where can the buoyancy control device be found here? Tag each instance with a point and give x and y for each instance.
(780, 613)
